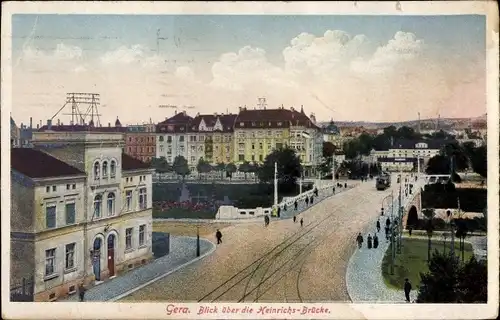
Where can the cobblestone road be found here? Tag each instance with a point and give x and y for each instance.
(283, 262)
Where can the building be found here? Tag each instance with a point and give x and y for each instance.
(211, 139)
(424, 149)
(80, 172)
(172, 136)
(258, 132)
(140, 141)
(15, 134)
(397, 164)
(332, 134)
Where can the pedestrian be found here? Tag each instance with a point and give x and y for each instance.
(279, 211)
(375, 241)
(409, 230)
(407, 289)
(296, 204)
(345, 185)
(378, 226)
(307, 201)
(369, 241)
(284, 207)
(81, 291)
(359, 240)
(333, 190)
(388, 222)
(294, 219)
(218, 235)
(301, 222)
(312, 200)
(266, 220)
(316, 191)
(386, 233)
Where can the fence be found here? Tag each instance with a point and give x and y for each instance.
(23, 291)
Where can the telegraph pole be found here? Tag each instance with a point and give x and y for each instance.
(276, 185)
(333, 168)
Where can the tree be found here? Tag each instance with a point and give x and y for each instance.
(221, 168)
(289, 168)
(230, 169)
(455, 151)
(180, 166)
(438, 165)
(390, 131)
(479, 161)
(405, 132)
(449, 281)
(245, 168)
(429, 228)
(461, 233)
(203, 166)
(161, 165)
(328, 149)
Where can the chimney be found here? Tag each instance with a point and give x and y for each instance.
(31, 122)
(49, 124)
(184, 113)
(37, 126)
(241, 108)
(58, 122)
(175, 112)
(109, 124)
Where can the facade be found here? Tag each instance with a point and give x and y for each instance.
(211, 139)
(398, 164)
(172, 137)
(332, 134)
(140, 141)
(424, 149)
(258, 132)
(112, 229)
(15, 134)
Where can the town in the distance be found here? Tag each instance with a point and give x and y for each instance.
(259, 204)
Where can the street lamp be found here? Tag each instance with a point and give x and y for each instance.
(197, 240)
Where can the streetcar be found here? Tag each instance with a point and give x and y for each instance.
(383, 182)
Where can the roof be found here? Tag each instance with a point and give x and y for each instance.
(410, 144)
(331, 128)
(179, 123)
(12, 122)
(129, 163)
(37, 164)
(404, 160)
(226, 120)
(80, 128)
(272, 118)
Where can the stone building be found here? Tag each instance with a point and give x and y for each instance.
(140, 141)
(172, 136)
(111, 231)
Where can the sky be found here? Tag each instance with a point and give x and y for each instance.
(368, 68)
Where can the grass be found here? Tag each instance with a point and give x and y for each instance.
(413, 260)
(207, 230)
(183, 213)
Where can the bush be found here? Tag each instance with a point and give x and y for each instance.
(472, 225)
(445, 197)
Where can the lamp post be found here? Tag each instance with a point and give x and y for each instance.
(276, 185)
(393, 247)
(197, 240)
(333, 169)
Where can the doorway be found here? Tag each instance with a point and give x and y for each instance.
(111, 255)
(96, 259)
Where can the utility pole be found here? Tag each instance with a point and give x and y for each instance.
(197, 240)
(393, 247)
(333, 168)
(400, 222)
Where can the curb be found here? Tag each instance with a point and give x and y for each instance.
(209, 252)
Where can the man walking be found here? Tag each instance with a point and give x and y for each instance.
(294, 219)
(359, 240)
(301, 222)
(407, 289)
(81, 291)
(378, 226)
(296, 204)
(375, 241)
(387, 233)
(218, 235)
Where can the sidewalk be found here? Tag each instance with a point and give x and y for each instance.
(182, 253)
(364, 279)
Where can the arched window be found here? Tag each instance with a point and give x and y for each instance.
(105, 169)
(111, 204)
(97, 206)
(96, 170)
(112, 169)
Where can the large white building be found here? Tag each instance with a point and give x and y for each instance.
(172, 137)
(86, 210)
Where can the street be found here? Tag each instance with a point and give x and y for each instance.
(281, 263)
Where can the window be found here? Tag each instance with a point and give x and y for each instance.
(169, 139)
(97, 206)
(128, 200)
(54, 188)
(261, 158)
(241, 145)
(128, 238)
(50, 215)
(105, 169)
(253, 147)
(260, 146)
(142, 230)
(113, 168)
(241, 157)
(181, 138)
(96, 170)
(160, 138)
(70, 256)
(47, 189)
(193, 148)
(67, 187)
(142, 198)
(50, 263)
(111, 204)
(70, 213)
(193, 159)
(73, 186)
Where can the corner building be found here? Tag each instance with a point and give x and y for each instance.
(111, 231)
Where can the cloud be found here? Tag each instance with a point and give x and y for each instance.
(336, 74)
